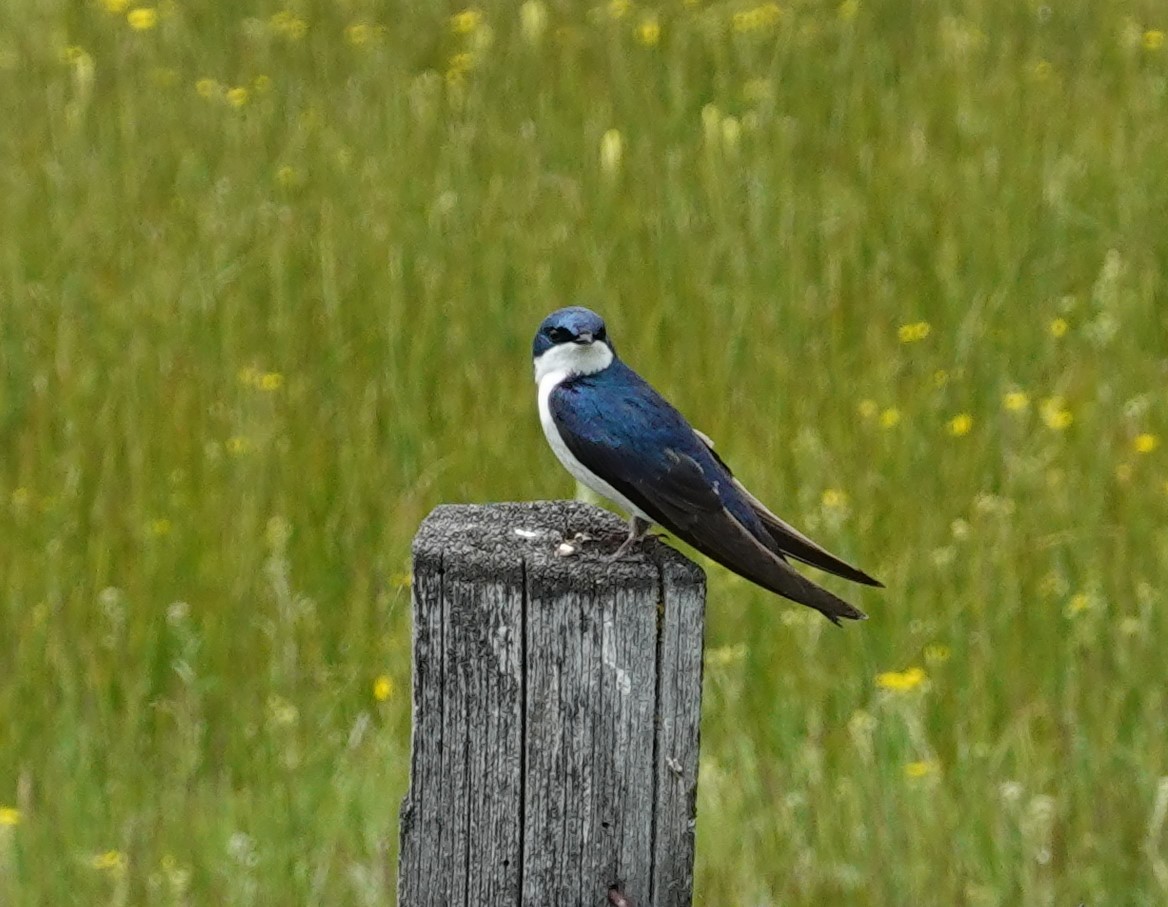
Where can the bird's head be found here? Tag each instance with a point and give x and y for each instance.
(571, 341)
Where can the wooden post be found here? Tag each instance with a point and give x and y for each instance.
(555, 713)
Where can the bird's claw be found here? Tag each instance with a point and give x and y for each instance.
(627, 551)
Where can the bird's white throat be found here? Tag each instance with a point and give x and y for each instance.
(566, 360)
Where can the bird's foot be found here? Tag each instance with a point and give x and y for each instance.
(626, 549)
(637, 531)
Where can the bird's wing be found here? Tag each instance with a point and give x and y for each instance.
(789, 540)
(657, 464)
(692, 509)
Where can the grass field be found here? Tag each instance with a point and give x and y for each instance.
(268, 279)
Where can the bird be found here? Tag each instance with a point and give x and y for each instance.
(617, 435)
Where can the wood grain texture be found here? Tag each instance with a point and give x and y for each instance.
(556, 704)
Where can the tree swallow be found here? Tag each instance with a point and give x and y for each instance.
(622, 439)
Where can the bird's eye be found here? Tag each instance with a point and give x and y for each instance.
(559, 335)
(600, 335)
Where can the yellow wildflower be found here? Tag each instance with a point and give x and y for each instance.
(890, 417)
(9, 815)
(1146, 443)
(465, 22)
(382, 688)
(1153, 39)
(835, 499)
(110, 861)
(237, 96)
(1058, 327)
(901, 681)
(914, 332)
(1015, 401)
(649, 31)
(115, 7)
(208, 88)
(143, 18)
(1079, 603)
(919, 769)
(288, 25)
(937, 653)
(1055, 415)
(270, 381)
(262, 84)
(160, 526)
(960, 425)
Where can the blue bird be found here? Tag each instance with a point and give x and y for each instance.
(612, 431)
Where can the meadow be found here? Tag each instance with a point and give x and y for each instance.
(268, 280)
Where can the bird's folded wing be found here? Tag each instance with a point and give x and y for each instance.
(686, 504)
(789, 540)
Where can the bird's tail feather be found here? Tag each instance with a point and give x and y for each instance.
(826, 603)
(793, 543)
(748, 557)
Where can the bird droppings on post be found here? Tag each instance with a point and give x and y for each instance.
(556, 712)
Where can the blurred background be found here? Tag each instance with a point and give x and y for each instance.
(268, 280)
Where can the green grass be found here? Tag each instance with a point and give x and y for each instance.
(248, 341)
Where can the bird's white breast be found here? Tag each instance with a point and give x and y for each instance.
(549, 380)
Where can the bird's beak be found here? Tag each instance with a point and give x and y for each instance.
(583, 338)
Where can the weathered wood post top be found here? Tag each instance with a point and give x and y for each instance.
(556, 704)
